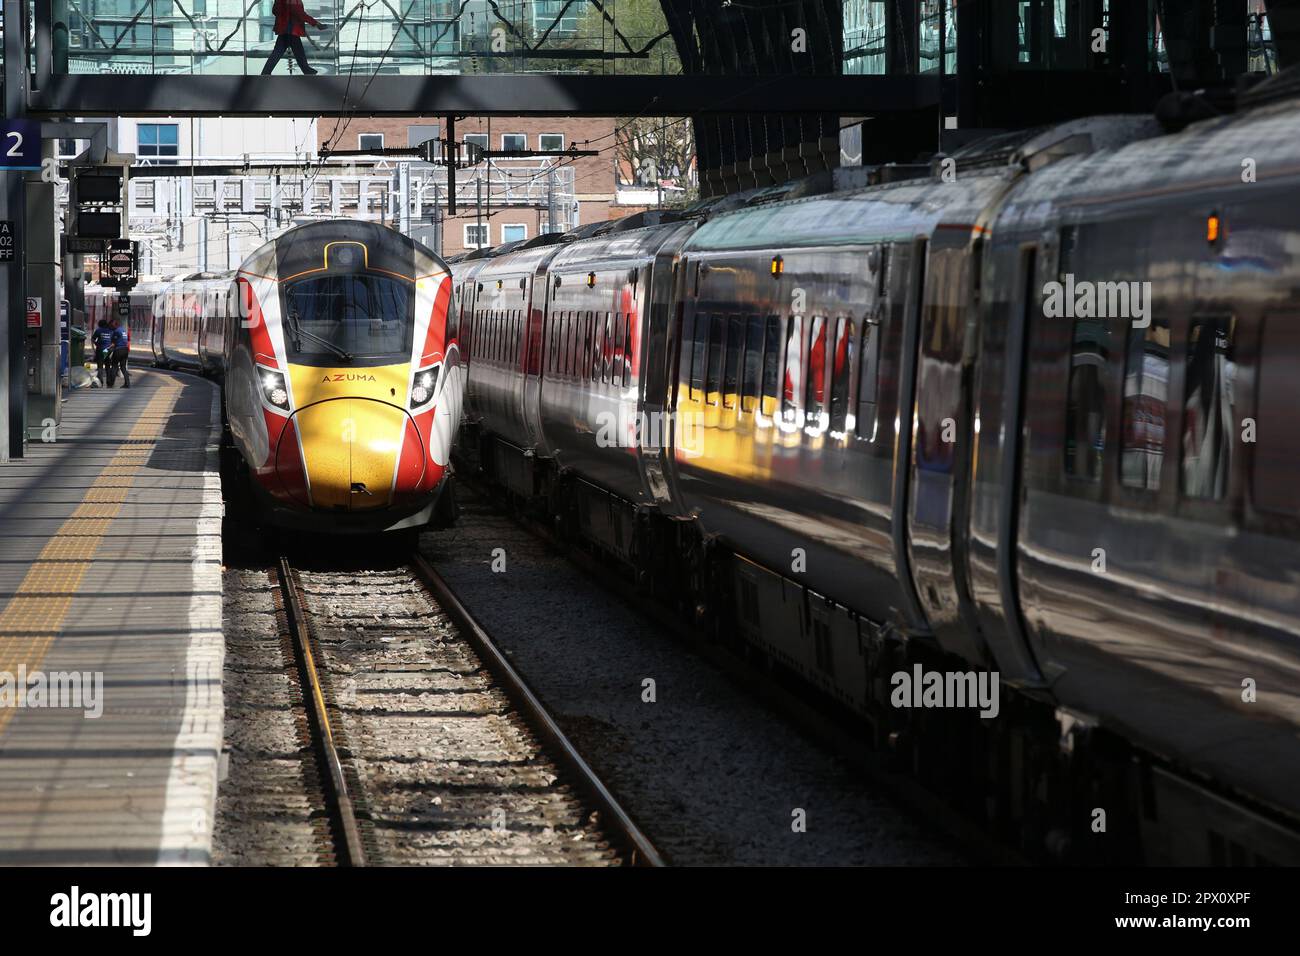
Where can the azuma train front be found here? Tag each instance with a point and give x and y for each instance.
(343, 384)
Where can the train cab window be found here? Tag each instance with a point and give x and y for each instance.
(752, 366)
(1275, 454)
(1209, 416)
(791, 386)
(816, 400)
(713, 372)
(841, 363)
(1146, 384)
(771, 383)
(868, 381)
(1085, 409)
(731, 368)
(353, 314)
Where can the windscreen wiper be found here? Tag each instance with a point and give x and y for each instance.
(299, 331)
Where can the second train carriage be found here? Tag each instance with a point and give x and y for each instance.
(898, 435)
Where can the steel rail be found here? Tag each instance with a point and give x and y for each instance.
(347, 834)
(614, 819)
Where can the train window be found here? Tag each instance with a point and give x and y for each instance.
(699, 354)
(771, 384)
(1146, 382)
(616, 371)
(571, 322)
(753, 364)
(553, 344)
(1209, 416)
(584, 345)
(731, 370)
(629, 350)
(1085, 409)
(714, 370)
(816, 402)
(597, 344)
(607, 348)
(841, 363)
(868, 380)
(1275, 455)
(791, 385)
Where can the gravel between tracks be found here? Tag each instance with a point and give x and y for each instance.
(710, 774)
(265, 807)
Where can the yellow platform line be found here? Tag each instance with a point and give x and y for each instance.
(35, 614)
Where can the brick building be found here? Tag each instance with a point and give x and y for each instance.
(514, 198)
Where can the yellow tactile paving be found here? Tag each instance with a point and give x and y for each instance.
(32, 618)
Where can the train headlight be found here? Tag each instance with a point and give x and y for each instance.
(274, 392)
(422, 389)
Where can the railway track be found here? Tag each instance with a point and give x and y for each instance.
(429, 747)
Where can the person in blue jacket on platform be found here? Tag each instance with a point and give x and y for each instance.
(121, 352)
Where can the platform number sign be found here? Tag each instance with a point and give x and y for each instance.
(6, 240)
(20, 145)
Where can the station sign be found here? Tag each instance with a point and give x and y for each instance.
(81, 246)
(33, 312)
(6, 240)
(20, 145)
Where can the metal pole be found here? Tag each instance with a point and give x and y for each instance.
(450, 153)
(13, 285)
(478, 207)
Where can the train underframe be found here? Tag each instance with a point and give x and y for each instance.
(1056, 786)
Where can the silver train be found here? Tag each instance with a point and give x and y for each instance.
(341, 385)
(1030, 412)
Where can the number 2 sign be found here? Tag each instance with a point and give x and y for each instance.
(20, 144)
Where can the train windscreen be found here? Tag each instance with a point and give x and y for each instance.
(348, 315)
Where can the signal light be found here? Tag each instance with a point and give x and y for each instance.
(591, 280)
(1213, 228)
(778, 267)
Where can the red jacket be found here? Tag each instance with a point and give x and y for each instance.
(290, 18)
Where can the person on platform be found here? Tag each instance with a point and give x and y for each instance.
(290, 27)
(121, 352)
(101, 340)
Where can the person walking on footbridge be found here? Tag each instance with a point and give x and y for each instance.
(290, 27)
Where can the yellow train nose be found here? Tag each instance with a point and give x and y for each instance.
(350, 448)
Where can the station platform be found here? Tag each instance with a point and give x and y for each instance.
(110, 614)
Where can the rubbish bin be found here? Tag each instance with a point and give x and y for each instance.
(77, 346)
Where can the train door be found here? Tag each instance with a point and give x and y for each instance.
(906, 288)
(536, 301)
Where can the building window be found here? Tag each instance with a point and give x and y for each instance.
(144, 194)
(514, 232)
(516, 142)
(550, 141)
(864, 36)
(476, 235)
(370, 141)
(158, 140)
(422, 133)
